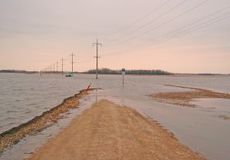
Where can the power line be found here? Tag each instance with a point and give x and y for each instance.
(142, 18)
(198, 24)
(152, 11)
(156, 18)
(201, 26)
(166, 22)
(215, 15)
(202, 22)
(177, 34)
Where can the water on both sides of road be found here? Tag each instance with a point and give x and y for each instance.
(201, 128)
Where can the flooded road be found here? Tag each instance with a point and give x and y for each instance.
(203, 128)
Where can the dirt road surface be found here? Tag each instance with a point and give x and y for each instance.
(110, 132)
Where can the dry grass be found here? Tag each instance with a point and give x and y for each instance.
(185, 98)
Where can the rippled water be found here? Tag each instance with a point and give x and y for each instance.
(23, 96)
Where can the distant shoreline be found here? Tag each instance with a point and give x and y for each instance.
(18, 71)
(117, 72)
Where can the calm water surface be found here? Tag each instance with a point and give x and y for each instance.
(23, 96)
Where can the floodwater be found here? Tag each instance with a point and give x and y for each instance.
(203, 129)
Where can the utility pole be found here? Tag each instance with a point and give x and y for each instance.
(62, 66)
(57, 67)
(54, 68)
(72, 62)
(97, 57)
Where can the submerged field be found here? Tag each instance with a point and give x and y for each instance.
(204, 128)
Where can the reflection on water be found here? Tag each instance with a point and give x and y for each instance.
(25, 96)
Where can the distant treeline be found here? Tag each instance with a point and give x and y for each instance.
(110, 71)
(133, 72)
(17, 71)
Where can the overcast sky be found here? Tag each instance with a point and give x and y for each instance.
(175, 35)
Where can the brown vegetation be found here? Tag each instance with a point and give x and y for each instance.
(185, 98)
(38, 123)
(224, 117)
